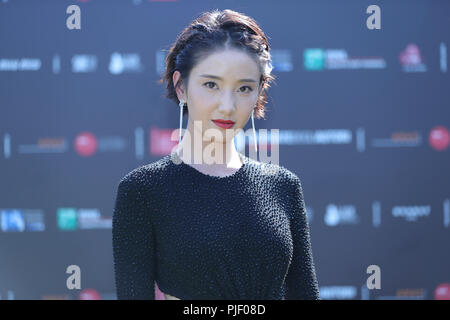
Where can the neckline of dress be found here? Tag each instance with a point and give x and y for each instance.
(243, 158)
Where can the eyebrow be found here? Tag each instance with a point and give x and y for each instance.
(219, 78)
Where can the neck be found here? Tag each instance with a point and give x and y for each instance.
(212, 153)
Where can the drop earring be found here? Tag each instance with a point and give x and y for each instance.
(181, 104)
(254, 132)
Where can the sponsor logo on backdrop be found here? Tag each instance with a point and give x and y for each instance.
(160, 141)
(125, 63)
(87, 144)
(45, 145)
(340, 215)
(111, 144)
(411, 59)
(69, 219)
(12, 220)
(442, 292)
(22, 64)
(92, 219)
(86, 294)
(84, 63)
(406, 294)
(56, 297)
(89, 294)
(439, 138)
(337, 292)
(20, 220)
(315, 137)
(316, 59)
(411, 213)
(399, 139)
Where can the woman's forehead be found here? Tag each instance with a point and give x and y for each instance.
(227, 65)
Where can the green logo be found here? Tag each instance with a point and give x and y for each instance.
(314, 59)
(67, 218)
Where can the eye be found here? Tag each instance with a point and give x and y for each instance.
(209, 83)
(250, 89)
(206, 84)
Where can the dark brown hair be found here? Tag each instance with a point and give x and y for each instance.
(213, 31)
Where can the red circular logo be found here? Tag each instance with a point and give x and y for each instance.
(439, 138)
(442, 292)
(85, 144)
(89, 294)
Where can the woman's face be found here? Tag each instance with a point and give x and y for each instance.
(223, 86)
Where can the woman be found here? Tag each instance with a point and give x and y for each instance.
(223, 229)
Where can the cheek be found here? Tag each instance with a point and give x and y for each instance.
(249, 99)
(200, 102)
(203, 111)
(244, 114)
(248, 102)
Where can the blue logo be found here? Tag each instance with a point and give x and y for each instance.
(12, 220)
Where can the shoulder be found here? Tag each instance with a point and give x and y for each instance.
(275, 172)
(145, 175)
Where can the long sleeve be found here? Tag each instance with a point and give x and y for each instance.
(301, 280)
(133, 244)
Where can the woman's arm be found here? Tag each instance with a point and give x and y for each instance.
(133, 245)
(301, 281)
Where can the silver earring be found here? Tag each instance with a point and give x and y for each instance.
(181, 104)
(254, 132)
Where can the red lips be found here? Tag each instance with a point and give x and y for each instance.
(224, 123)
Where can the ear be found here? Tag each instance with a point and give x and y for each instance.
(180, 89)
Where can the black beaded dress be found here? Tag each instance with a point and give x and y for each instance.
(198, 236)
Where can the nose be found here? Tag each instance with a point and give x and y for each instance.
(227, 104)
